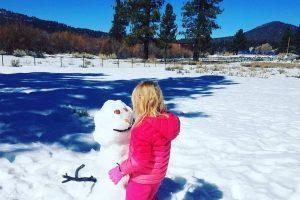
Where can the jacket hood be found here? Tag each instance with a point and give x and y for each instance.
(168, 125)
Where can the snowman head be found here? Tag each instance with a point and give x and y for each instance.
(112, 123)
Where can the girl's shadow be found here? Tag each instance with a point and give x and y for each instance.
(198, 190)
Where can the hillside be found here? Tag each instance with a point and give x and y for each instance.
(8, 17)
(269, 32)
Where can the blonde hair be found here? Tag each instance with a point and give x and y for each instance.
(147, 100)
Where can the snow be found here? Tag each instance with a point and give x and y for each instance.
(239, 137)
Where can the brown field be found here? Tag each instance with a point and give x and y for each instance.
(271, 65)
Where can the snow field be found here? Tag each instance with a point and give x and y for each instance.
(239, 139)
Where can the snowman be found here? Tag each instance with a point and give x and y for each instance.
(112, 124)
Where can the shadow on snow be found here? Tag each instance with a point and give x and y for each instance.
(51, 107)
(198, 190)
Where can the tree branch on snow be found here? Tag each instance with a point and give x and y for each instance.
(77, 178)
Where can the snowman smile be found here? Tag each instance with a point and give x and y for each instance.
(127, 129)
(124, 130)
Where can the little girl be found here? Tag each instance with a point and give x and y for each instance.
(150, 143)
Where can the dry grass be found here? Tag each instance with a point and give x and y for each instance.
(179, 69)
(108, 56)
(174, 68)
(271, 65)
(216, 67)
(296, 76)
(281, 71)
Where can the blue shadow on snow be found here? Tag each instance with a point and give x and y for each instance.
(198, 190)
(50, 107)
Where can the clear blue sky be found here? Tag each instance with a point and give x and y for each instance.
(97, 14)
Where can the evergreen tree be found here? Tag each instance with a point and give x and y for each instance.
(119, 23)
(286, 41)
(199, 21)
(168, 28)
(297, 40)
(144, 16)
(239, 41)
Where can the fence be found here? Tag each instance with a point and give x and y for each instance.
(71, 61)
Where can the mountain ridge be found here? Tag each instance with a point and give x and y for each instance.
(9, 17)
(271, 32)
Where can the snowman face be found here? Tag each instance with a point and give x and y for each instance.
(124, 115)
(112, 122)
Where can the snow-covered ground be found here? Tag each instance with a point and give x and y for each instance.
(240, 136)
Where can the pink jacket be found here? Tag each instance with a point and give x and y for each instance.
(149, 149)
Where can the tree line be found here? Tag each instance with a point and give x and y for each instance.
(289, 43)
(138, 29)
(146, 25)
(37, 41)
(142, 18)
(20, 36)
(141, 28)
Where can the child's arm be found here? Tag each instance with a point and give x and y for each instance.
(140, 158)
(137, 162)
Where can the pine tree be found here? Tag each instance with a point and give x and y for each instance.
(168, 28)
(239, 41)
(119, 23)
(286, 39)
(144, 16)
(297, 40)
(199, 21)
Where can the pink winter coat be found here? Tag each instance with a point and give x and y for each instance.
(149, 149)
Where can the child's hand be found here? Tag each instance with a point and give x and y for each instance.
(115, 175)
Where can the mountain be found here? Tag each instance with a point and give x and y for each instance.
(8, 17)
(270, 32)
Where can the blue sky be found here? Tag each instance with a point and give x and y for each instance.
(97, 14)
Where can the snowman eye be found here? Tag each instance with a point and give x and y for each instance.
(117, 112)
(126, 110)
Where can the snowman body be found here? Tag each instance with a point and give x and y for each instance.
(112, 124)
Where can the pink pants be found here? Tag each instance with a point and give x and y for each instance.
(137, 191)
